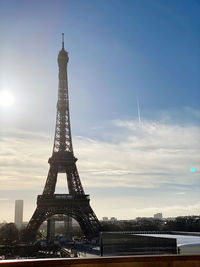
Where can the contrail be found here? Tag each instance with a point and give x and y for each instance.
(138, 108)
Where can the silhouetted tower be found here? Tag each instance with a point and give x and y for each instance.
(75, 204)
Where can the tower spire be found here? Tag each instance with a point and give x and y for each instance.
(62, 40)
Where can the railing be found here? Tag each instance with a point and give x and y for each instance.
(137, 261)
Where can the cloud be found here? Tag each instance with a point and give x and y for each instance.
(145, 155)
(148, 154)
(180, 193)
(23, 159)
(151, 155)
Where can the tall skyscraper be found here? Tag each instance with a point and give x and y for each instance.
(19, 212)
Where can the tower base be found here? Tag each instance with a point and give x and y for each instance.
(77, 207)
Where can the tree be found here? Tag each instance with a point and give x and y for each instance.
(8, 234)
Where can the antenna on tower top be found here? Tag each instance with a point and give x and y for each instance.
(62, 40)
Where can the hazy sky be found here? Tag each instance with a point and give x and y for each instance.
(122, 53)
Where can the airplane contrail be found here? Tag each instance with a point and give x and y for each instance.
(138, 108)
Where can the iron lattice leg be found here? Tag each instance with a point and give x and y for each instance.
(50, 185)
(39, 216)
(82, 213)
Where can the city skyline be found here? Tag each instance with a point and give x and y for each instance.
(134, 103)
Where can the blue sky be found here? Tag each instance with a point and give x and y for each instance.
(120, 51)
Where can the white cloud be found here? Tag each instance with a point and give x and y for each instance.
(150, 154)
(23, 160)
(145, 155)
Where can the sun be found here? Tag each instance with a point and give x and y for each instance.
(6, 99)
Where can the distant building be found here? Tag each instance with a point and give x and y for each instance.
(113, 219)
(158, 216)
(18, 213)
(105, 219)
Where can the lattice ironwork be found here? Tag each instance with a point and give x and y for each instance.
(75, 204)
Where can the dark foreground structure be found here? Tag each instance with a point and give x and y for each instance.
(76, 204)
(124, 244)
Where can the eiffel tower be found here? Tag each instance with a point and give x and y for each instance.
(76, 204)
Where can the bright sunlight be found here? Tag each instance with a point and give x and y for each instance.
(6, 98)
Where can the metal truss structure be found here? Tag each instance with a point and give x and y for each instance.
(75, 204)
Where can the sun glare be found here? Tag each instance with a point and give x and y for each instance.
(6, 98)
